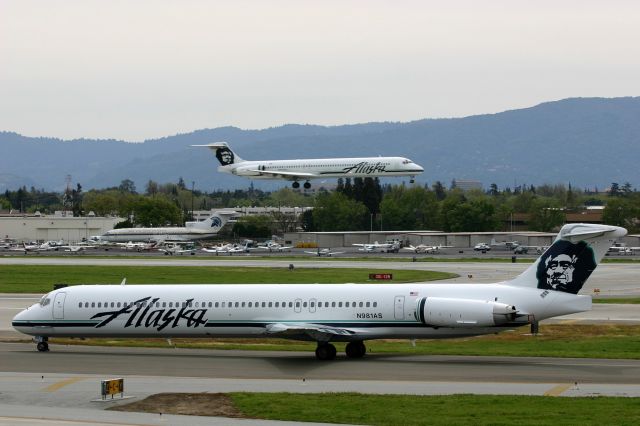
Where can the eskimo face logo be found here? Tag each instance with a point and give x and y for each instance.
(565, 266)
(225, 156)
(216, 222)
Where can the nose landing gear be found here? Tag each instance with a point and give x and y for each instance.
(42, 343)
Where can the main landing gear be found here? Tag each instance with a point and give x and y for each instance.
(355, 349)
(42, 343)
(326, 351)
(296, 185)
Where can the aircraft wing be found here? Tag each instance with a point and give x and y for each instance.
(288, 175)
(318, 332)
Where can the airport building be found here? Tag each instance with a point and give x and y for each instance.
(59, 226)
(434, 238)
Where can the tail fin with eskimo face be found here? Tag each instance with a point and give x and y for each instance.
(223, 153)
(215, 222)
(567, 264)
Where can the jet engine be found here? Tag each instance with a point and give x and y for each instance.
(448, 312)
(245, 171)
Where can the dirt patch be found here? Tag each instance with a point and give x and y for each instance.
(192, 404)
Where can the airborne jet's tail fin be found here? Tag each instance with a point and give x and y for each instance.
(223, 153)
(215, 222)
(569, 261)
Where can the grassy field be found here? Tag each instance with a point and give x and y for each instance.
(438, 410)
(554, 340)
(41, 278)
(623, 300)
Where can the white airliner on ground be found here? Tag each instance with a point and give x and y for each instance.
(192, 231)
(314, 168)
(328, 313)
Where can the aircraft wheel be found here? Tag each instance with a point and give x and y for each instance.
(355, 349)
(307, 185)
(42, 346)
(295, 185)
(325, 351)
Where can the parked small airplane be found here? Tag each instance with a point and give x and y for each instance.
(526, 249)
(76, 248)
(273, 246)
(26, 247)
(623, 249)
(137, 246)
(190, 232)
(509, 245)
(169, 248)
(422, 248)
(226, 249)
(324, 252)
(482, 247)
(378, 247)
(327, 313)
(314, 168)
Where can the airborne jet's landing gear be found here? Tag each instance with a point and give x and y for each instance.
(307, 185)
(325, 351)
(42, 343)
(412, 180)
(355, 349)
(295, 185)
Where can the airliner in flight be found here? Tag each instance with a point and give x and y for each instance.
(193, 231)
(315, 168)
(327, 313)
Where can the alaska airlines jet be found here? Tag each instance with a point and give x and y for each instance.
(192, 231)
(351, 313)
(297, 170)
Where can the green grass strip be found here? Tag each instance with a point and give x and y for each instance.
(470, 410)
(619, 300)
(41, 278)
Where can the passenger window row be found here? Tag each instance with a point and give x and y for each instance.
(208, 304)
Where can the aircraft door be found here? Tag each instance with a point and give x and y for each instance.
(312, 305)
(297, 306)
(58, 305)
(398, 308)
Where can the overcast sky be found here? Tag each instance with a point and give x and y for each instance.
(143, 69)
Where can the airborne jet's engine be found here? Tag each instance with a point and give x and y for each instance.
(447, 312)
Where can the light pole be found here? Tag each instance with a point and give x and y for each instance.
(193, 185)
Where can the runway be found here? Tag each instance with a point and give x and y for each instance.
(264, 365)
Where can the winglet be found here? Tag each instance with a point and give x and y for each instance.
(124, 281)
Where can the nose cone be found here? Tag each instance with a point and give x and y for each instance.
(20, 316)
(418, 168)
(24, 319)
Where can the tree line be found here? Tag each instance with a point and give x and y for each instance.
(360, 204)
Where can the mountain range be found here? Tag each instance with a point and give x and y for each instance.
(588, 142)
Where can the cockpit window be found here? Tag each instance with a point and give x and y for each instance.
(406, 161)
(45, 300)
